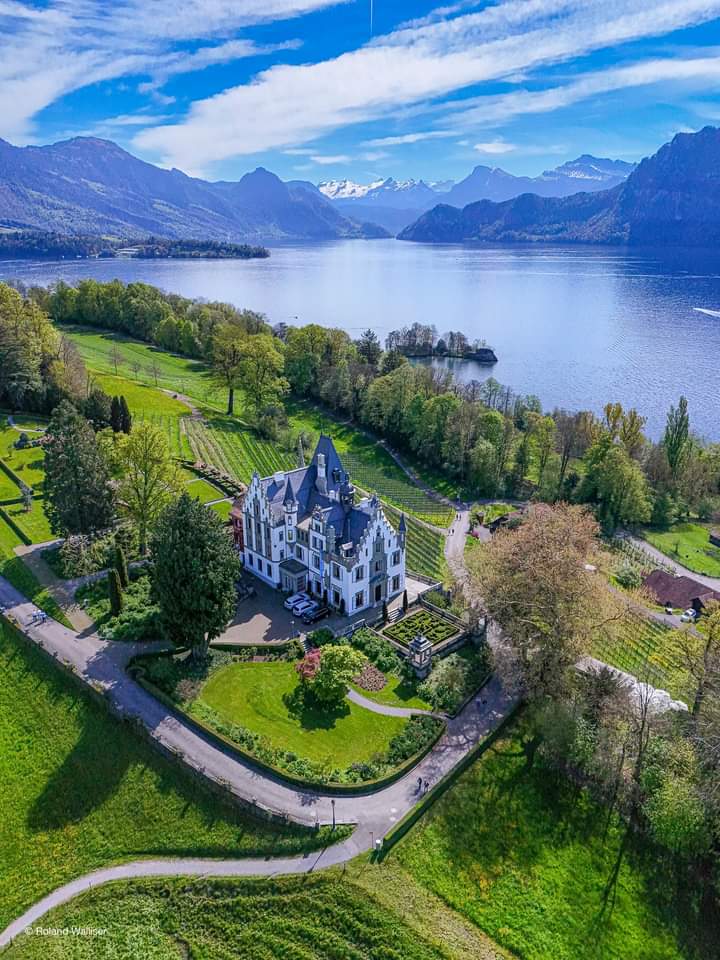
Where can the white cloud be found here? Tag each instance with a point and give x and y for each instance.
(48, 52)
(494, 109)
(328, 161)
(495, 147)
(292, 104)
(409, 138)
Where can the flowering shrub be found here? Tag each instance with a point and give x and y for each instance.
(308, 667)
(370, 678)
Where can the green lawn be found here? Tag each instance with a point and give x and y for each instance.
(395, 693)
(222, 509)
(81, 790)
(322, 917)
(34, 524)
(26, 464)
(203, 491)
(688, 544)
(259, 696)
(190, 377)
(523, 854)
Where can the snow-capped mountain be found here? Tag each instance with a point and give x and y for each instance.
(400, 194)
(595, 169)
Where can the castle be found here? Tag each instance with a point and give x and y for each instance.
(302, 530)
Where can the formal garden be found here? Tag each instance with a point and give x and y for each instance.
(426, 623)
(290, 711)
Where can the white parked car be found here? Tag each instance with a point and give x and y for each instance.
(296, 598)
(305, 606)
(689, 616)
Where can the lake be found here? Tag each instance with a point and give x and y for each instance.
(576, 326)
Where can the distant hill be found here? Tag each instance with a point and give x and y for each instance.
(670, 199)
(87, 186)
(394, 204)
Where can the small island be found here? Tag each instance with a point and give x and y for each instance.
(421, 341)
(39, 244)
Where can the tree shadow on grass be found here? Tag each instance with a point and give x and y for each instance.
(310, 713)
(88, 775)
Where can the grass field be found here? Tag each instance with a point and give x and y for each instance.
(650, 651)
(292, 918)
(34, 524)
(145, 364)
(203, 491)
(523, 854)
(81, 790)
(259, 696)
(688, 544)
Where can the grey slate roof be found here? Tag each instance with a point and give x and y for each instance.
(300, 486)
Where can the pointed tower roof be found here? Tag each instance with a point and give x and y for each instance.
(402, 526)
(289, 498)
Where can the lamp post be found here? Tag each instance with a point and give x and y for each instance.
(332, 804)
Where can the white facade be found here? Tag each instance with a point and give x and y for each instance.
(303, 531)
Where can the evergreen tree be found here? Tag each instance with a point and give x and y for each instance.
(115, 592)
(115, 415)
(122, 567)
(195, 569)
(368, 346)
(125, 416)
(97, 408)
(78, 497)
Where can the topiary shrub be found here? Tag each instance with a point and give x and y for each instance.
(115, 592)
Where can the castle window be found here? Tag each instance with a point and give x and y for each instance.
(396, 584)
(396, 558)
(359, 573)
(359, 599)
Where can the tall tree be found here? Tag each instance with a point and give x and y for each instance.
(149, 478)
(535, 583)
(78, 496)
(261, 367)
(195, 569)
(116, 415)
(676, 440)
(125, 416)
(369, 348)
(228, 354)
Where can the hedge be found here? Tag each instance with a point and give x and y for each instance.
(14, 526)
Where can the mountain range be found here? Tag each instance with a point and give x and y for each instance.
(92, 186)
(392, 203)
(671, 199)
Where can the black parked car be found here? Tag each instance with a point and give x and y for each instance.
(312, 616)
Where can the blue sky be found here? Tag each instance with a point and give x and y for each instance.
(311, 89)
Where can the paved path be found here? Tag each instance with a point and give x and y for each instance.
(102, 664)
(385, 709)
(663, 558)
(11, 422)
(455, 543)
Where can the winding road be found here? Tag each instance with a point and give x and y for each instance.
(102, 665)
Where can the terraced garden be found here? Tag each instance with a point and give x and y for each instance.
(425, 547)
(226, 444)
(650, 651)
(435, 628)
